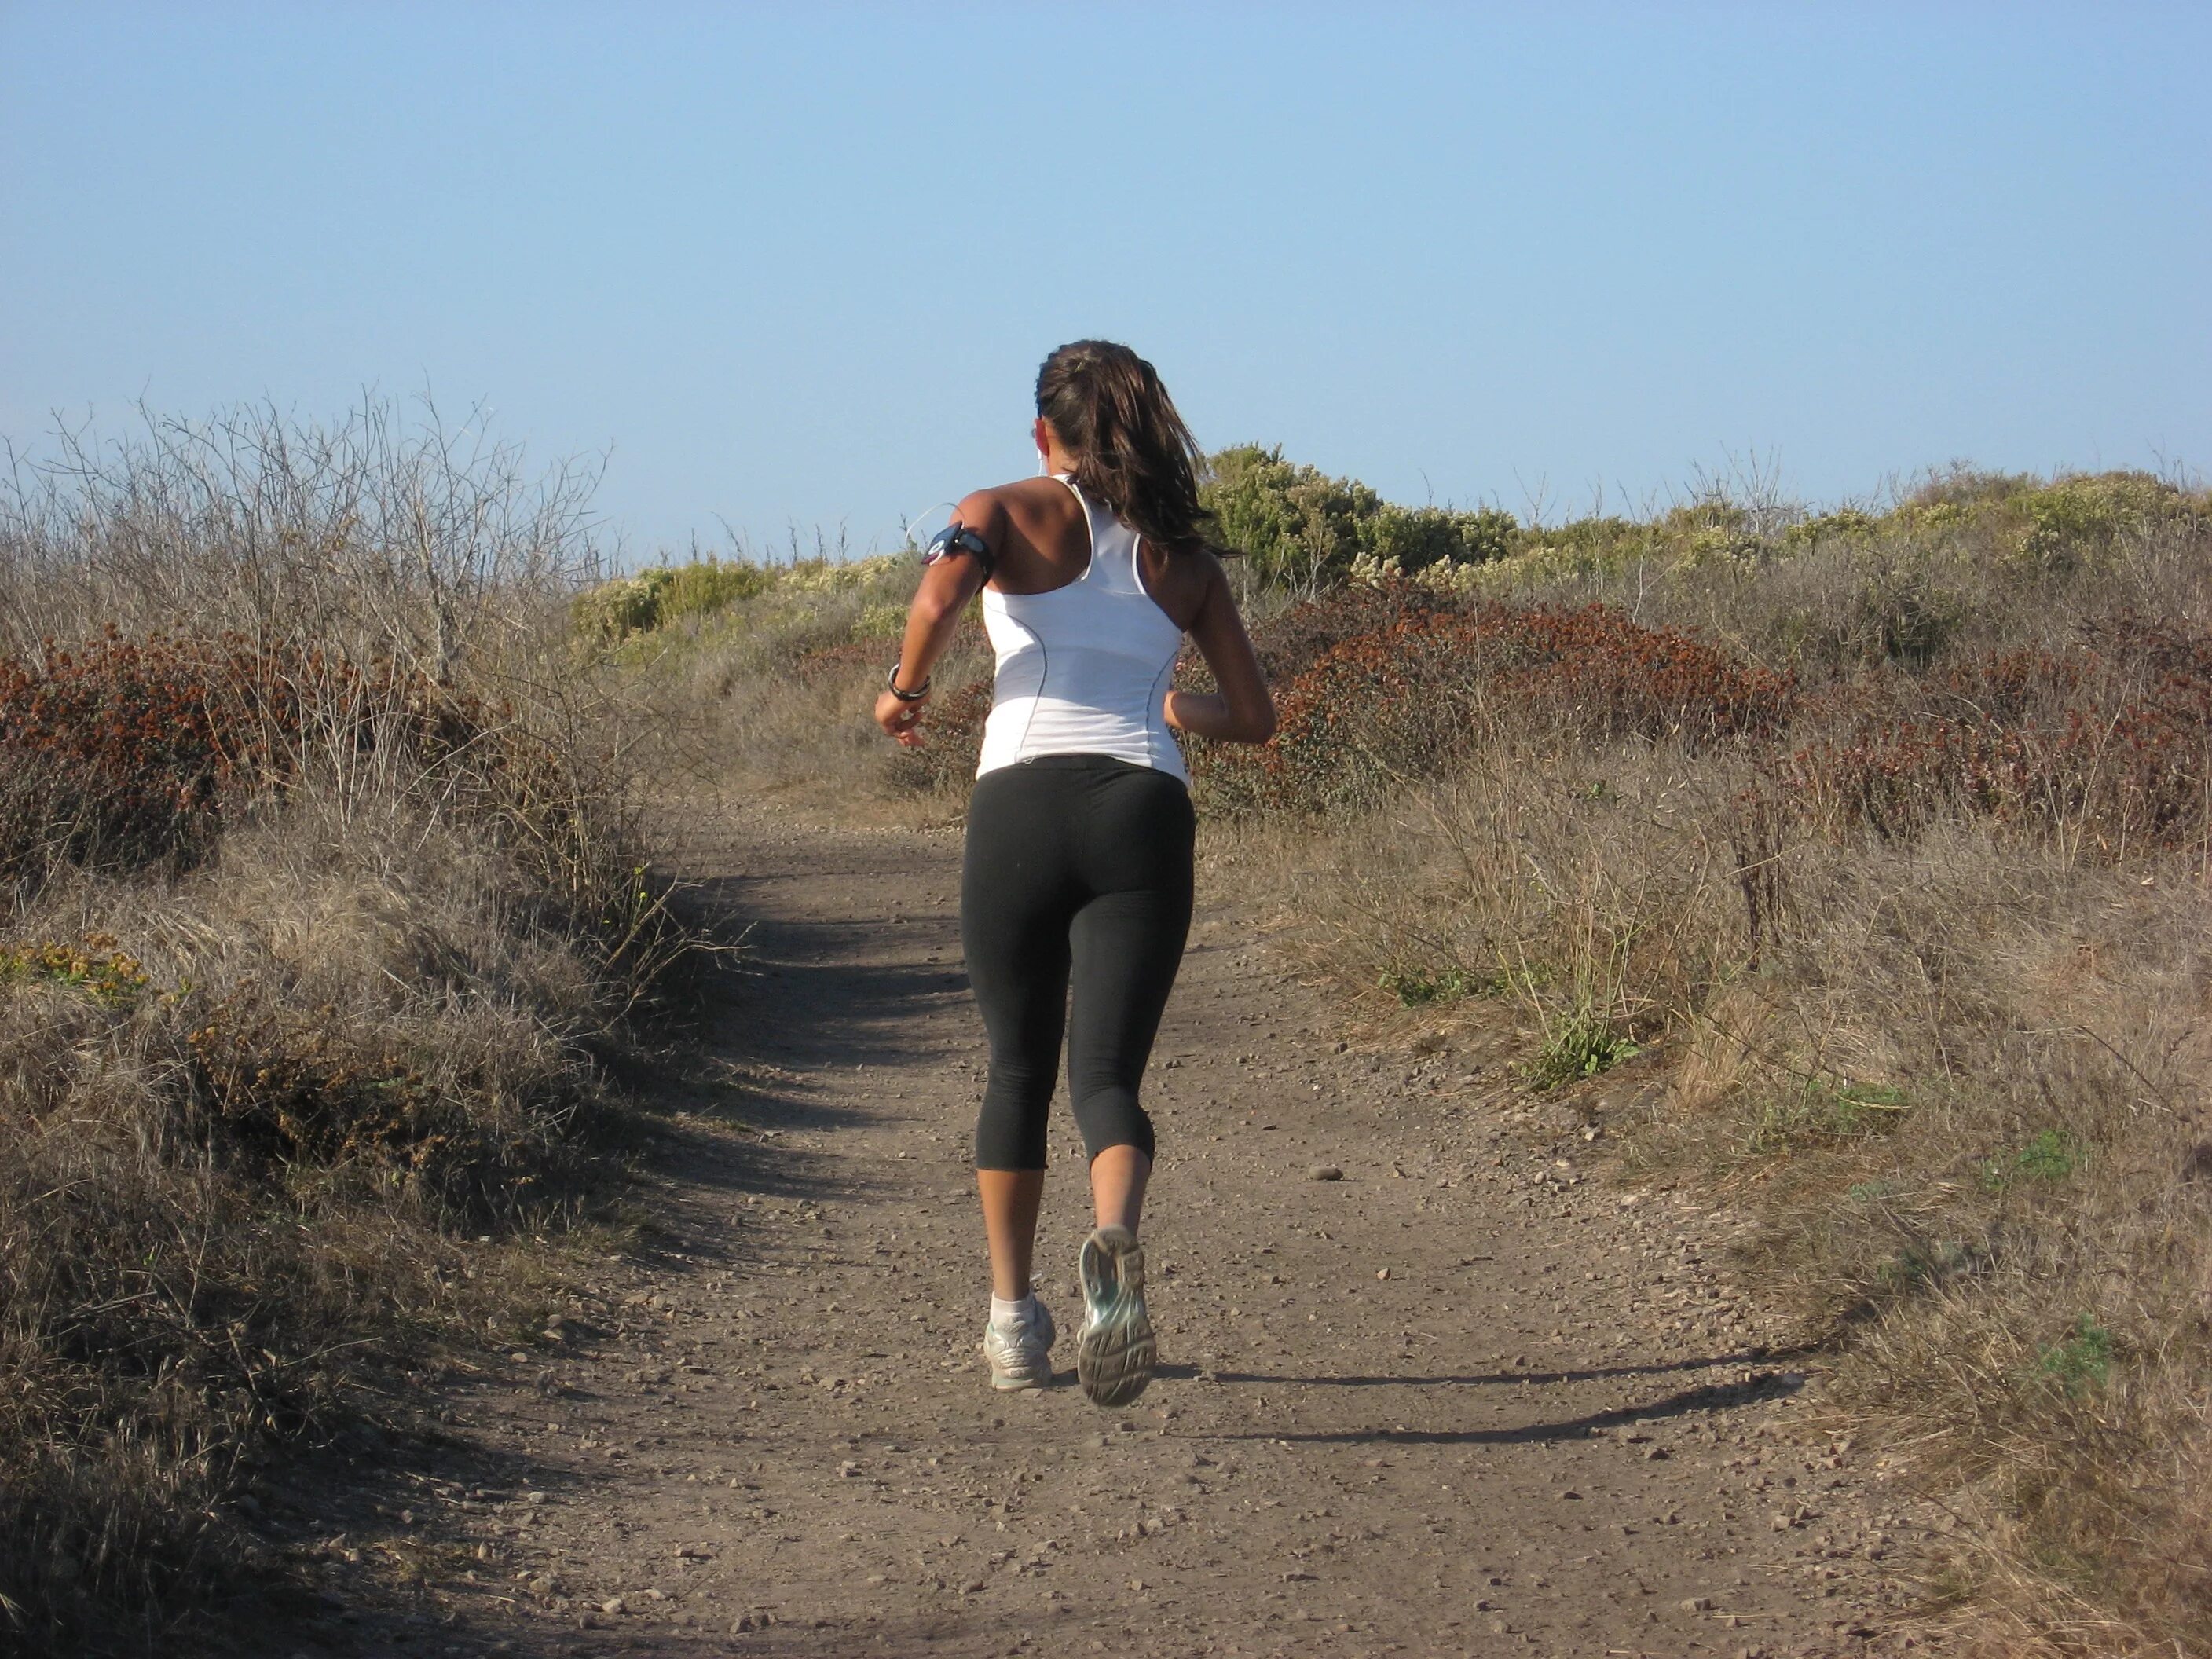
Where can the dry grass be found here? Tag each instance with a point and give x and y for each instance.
(323, 922)
(226, 1191)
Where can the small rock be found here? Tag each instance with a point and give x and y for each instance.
(1324, 1172)
(614, 1605)
(1698, 1604)
(1381, 1273)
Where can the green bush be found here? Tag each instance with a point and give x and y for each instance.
(664, 595)
(706, 586)
(1303, 529)
(2089, 514)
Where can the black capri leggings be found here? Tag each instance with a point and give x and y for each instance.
(1077, 867)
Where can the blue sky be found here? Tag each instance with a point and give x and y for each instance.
(798, 264)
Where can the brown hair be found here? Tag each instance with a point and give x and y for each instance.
(1132, 451)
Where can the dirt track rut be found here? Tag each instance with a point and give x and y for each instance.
(1463, 1400)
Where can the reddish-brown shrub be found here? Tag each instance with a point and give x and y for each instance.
(1408, 698)
(2108, 746)
(125, 752)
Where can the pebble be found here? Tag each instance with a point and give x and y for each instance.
(1324, 1172)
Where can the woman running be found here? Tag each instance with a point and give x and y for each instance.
(1077, 863)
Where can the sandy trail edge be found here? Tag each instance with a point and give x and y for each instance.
(1461, 1401)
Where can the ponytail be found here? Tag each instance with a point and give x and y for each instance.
(1132, 451)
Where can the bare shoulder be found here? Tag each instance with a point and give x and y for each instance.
(1207, 583)
(982, 509)
(1022, 493)
(1206, 569)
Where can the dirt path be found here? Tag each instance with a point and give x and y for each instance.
(1460, 1400)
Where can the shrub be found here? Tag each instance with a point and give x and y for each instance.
(1303, 530)
(1404, 702)
(236, 1117)
(2109, 751)
(2080, 519)
(664, 596)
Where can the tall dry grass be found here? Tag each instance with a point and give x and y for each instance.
(325, 916)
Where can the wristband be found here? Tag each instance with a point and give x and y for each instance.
(914, 696)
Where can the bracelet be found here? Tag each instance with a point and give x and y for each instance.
(914, 696)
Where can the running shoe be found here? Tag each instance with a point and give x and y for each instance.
(1114, 1351)
(1020, 1355)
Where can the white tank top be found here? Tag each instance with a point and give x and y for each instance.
(1082, 670)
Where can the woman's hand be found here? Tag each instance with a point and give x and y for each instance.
(901, 717)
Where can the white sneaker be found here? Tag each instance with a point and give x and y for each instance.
(1114, 1351)
(1020, 1355)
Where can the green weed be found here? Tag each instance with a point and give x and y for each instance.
(1581, 1043)
(2082, 1360)
(2051, 1157)
(1416, 986)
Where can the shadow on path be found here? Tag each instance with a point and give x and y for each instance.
(1713, 1397)
(1746, 1357)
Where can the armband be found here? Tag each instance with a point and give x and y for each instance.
(954, 540)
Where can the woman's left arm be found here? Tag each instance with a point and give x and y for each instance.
(946, 588)
(1243, 711)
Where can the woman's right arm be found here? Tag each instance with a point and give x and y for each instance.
(1242, 711)
(934, 616)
